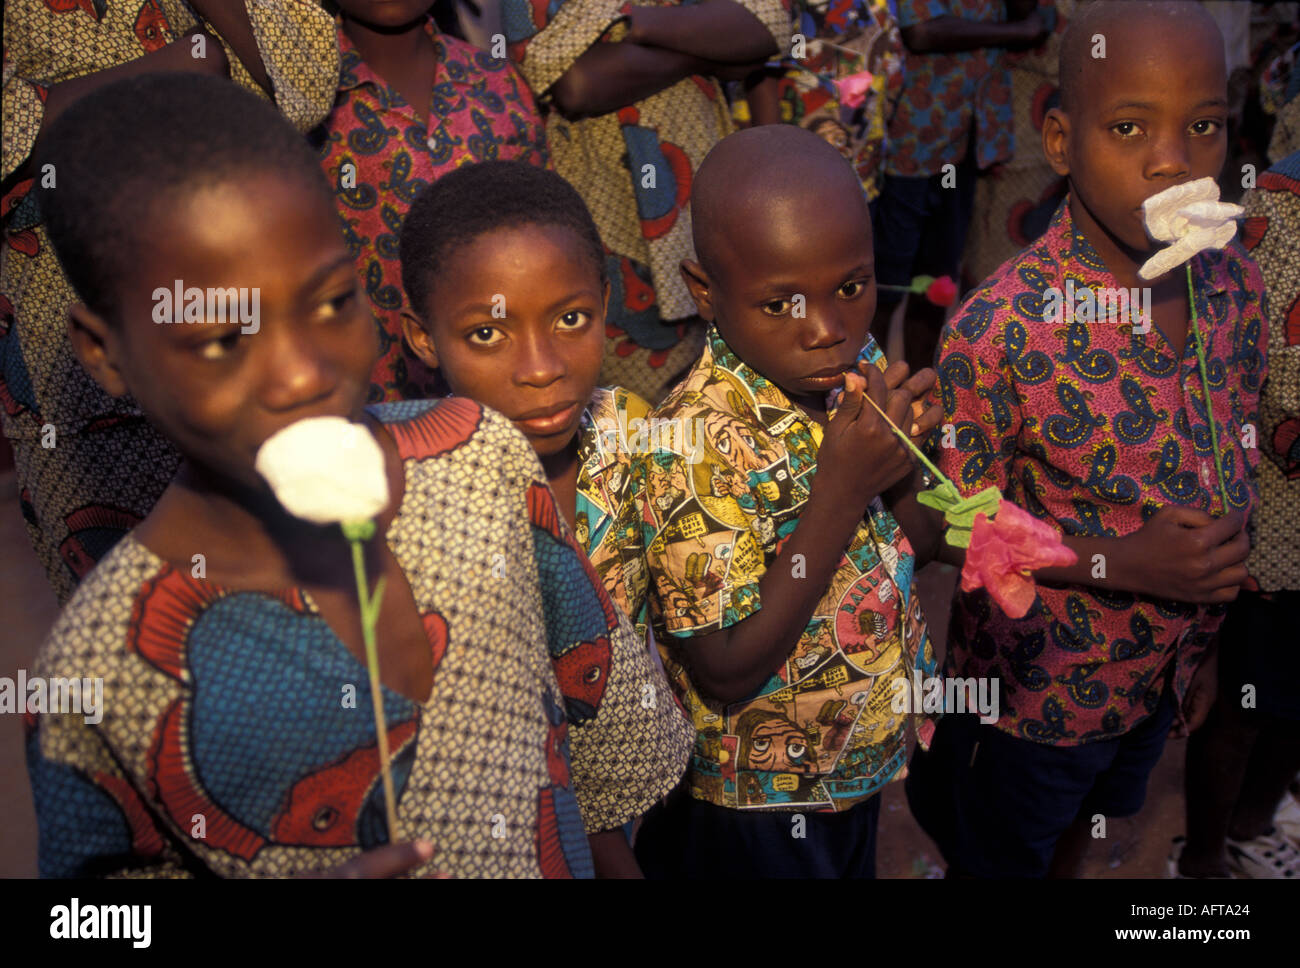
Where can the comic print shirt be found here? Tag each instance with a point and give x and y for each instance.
(481, 111)
(245, 710)
(1092, 426)
(719, 492)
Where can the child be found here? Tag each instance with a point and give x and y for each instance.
(1100, 430)
(781, 589)
(633, 106)
(237, 735)
(507, 274)
(413, 104)
(89, 467)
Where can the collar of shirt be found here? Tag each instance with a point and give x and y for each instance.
(356, 72)
(717, 353)
(1064, 249)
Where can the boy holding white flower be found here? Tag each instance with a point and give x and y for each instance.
(239, 736)
(1102, 429)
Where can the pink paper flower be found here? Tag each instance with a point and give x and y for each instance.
(1004, 553)
(942, 292)
(853, 88)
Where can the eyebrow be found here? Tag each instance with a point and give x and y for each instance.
(781, 287)
(1215, 102)
(479, 308)
(324, 272)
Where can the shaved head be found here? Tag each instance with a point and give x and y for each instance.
(1122, 25)
(761, 176)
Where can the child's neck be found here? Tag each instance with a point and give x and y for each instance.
(404, 57)
(562, 474)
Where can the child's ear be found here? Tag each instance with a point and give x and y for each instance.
(418, 338)
(1056, 140)
(97, 348)
(698, 283)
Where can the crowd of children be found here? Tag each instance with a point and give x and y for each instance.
(657, 501)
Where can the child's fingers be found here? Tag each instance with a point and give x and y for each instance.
(851, 403)
(924, 420)
(896, 375)
(387, 861)
(921, 382)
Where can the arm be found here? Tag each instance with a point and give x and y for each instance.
(860, 458)
(230, 21)
(716, 30)
(612, 855)
(176, 56)
(945, 35)
(607, 77)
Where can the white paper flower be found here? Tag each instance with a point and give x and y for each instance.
(1192, 218)
(326, 470)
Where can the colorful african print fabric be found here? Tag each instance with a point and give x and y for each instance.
(716, 498)
(1270, 231)
(1092, 427)
(844, 37)
(1016, 199)
(481, 111)
(611, 429)
(653, 333)
(244, 709)
(944, 94)
(89, 466)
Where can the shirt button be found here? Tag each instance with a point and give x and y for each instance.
(1205, 473)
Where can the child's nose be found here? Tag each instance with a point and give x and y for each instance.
(538, 364)
(1168, 158)
(823, 328)
(298, 374)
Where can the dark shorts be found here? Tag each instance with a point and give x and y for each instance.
(996, 805)
(1259, 646)
(688, 838)
(920, 227)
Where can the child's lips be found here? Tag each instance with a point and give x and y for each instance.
(548, 420)
(830, 376)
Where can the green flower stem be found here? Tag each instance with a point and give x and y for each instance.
(1199, 344)
(916, 451)
(369, 618)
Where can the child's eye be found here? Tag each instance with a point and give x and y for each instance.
(485, 336)
(221, 347)
(1125, 129)
(336, 305)
(1207, 126)
(777, 307)
(574, 319)
(852, 289)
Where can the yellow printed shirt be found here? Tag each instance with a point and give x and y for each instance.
(721, 487)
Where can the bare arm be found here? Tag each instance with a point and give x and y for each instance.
(717, 30)
(230, 20)
(611, 76)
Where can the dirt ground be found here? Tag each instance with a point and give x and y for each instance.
(1133, 848)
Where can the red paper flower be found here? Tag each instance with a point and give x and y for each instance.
(1004, 553)
(942, 292)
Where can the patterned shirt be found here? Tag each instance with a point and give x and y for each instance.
(844, 37)
(481, 111)
(643, 214)
(105, 466)
(1270, 231)
(720, 490)
(1092, 428)
(245, 710)
(944, 93)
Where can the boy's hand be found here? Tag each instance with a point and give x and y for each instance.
(387, 861)
(1187, 555)
(898, 376)
(861, 457)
